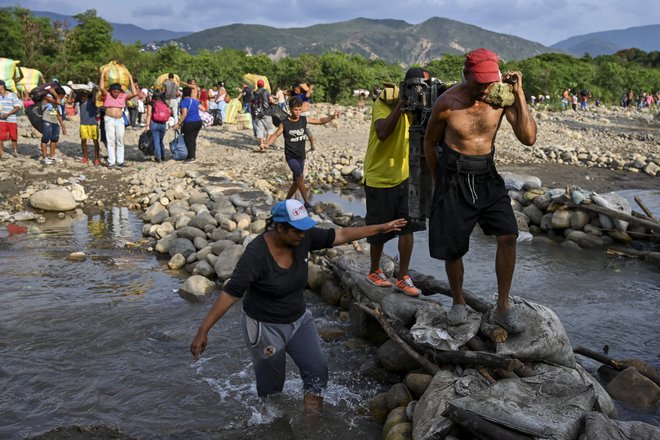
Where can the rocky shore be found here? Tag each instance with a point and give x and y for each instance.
(600, 150)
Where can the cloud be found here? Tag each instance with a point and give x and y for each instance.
(154, 11)
(545, 21)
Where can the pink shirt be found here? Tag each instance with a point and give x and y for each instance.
(119, 102)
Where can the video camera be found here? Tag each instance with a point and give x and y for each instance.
(419, 95)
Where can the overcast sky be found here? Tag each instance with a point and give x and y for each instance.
(543, 21)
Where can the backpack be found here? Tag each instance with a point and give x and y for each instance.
(146, 143)
(260, 106)
(161, 112)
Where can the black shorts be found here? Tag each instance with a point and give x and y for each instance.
(461, 201)
(385, 205)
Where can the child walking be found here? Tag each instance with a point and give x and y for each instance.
(295, 138)
(89, 129)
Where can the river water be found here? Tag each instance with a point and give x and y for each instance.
(105, 341)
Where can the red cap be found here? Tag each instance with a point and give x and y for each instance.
(260, 83)
(484, 66)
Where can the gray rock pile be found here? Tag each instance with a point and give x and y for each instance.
(563, 214)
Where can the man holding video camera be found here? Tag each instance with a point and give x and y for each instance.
(386, 173)
(459, 146)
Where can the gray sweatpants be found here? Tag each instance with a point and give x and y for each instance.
(269, 343)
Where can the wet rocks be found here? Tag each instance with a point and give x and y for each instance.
(565, 212)
(631, 387)
(77, 256)
(394, 359)
(196, 288)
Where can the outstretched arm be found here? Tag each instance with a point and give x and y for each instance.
(519, 115)
(323, 120)
(220, 307)
(346, 235)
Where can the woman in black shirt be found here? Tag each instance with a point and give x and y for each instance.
(271, 276)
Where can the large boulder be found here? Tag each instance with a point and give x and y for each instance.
(633, 388)
(182, 246)
(190, 233)
(58, 199)
(227, 260)
(394, 359)
(585, 240)
(153, 210)
(202, 219)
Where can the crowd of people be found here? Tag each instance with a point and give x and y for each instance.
(640, 100)
(184, 107)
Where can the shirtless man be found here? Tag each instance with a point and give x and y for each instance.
(459, 146)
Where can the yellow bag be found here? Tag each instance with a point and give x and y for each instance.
(232, 109)
(251, 79)
(9, 72)
(390, 94)
(117, 74)
(31, 79)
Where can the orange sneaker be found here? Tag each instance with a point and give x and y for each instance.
(406, 286)
(379, 279)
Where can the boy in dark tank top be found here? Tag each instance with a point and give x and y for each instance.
(295, 139)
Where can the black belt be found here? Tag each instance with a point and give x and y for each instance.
(463, 164)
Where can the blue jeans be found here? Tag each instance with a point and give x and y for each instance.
(50, 132)
(158, 132)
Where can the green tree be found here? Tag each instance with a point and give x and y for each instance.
(337, 76)
(92, 36)
(448, 68)
(11, 37)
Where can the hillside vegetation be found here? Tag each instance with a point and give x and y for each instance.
(76, 54)
(394, 41)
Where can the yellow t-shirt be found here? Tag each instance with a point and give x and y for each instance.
(386, 162)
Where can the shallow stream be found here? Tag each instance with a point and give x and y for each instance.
(105, 341)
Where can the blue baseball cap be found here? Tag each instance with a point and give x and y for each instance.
(293, 212)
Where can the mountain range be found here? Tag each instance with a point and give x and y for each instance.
(126, 33)
(646, 38)
(390, 40)
(386, 39)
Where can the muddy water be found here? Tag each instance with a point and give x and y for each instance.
(105, 341)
